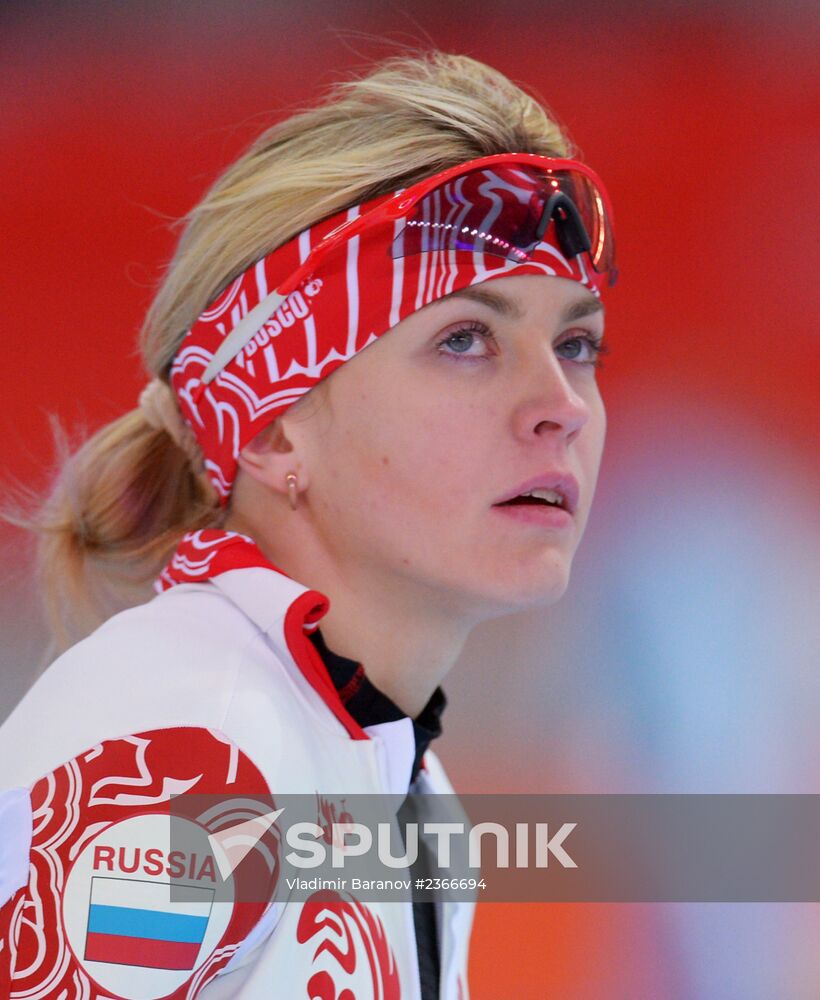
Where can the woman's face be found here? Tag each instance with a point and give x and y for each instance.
(475, 399)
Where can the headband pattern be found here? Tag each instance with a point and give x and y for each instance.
(360, 291)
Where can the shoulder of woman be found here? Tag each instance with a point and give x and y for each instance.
(173, 662)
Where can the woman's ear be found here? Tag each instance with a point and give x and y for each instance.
(270, 456)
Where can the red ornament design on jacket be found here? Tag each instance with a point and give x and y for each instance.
(335, 917)
(333, 825)
(97, 918)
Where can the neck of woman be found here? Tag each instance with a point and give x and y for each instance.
(406, 635)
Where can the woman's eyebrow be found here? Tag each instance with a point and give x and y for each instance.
(510, 309)
(586, 306)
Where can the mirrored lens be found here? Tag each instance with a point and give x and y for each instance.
(506, 211)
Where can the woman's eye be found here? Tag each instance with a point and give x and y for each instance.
(470, 341)
(586, 350)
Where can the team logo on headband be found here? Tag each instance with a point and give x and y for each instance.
(296, 307)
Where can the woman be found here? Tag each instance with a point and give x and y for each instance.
(329, 511)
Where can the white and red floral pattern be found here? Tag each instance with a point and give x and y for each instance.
(90, 800)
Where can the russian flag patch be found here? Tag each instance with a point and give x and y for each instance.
(143, 909)
(134, 922)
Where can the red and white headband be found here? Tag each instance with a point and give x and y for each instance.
(296, 315)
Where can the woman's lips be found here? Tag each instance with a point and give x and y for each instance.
(541, 514)
(552, 479)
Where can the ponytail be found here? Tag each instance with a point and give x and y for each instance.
(115, 514)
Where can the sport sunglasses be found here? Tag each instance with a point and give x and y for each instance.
(501, 204)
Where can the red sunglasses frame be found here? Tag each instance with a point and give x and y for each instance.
(404, 201)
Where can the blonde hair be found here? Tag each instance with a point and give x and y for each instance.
(123, 500)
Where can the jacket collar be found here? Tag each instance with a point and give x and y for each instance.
(283, 609)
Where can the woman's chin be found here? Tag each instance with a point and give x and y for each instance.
(510, 594)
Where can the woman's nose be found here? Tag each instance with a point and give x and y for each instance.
(549, 402)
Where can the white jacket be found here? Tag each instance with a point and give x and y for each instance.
(212, 687)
